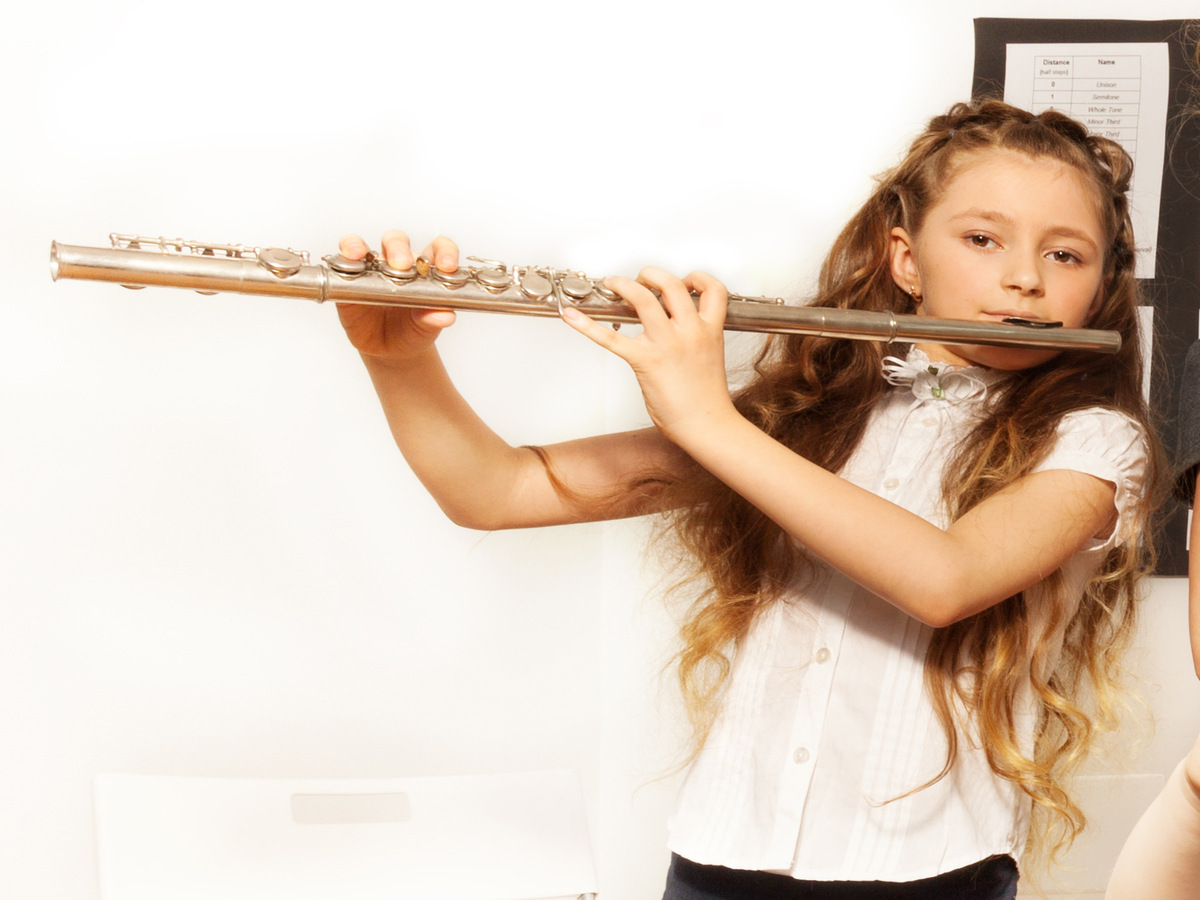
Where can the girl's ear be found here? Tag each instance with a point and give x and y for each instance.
(902, 255)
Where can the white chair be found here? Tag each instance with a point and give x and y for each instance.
(518, 836)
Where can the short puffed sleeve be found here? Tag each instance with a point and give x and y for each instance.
(1111, 446)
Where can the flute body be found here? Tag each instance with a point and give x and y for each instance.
(490, 286)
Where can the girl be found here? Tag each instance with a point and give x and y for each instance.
(912, 566)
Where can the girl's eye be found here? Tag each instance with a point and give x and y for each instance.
(980, 240)
(1063, 256)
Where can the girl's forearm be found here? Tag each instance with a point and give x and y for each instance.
(481, 481)
(1004, 545)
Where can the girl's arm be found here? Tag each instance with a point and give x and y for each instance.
(1005, 544)
(478, 479)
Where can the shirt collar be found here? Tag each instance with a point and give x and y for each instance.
(938, 380)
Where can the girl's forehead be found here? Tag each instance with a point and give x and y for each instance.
(1017, 180)
(1011, 168)
(987, 168)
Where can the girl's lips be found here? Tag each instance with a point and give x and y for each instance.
(1000, 314)
(1009, 315)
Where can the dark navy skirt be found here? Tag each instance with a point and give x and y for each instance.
(992, 879)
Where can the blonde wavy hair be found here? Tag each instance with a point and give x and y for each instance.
(815, 395)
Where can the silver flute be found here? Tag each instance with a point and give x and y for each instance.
(490, 286)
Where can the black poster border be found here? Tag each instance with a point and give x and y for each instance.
(1174, 292)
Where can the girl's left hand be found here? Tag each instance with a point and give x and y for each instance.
(679, 358)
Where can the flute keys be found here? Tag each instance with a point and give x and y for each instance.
(576, 288)
(280, 262)
(606, 293)
(535, 286)
(454, 279)
(344, 266)
(396, 274)
(493, 279)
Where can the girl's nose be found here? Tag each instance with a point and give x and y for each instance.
(1024, 274)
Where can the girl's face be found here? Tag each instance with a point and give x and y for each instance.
(1010, 236)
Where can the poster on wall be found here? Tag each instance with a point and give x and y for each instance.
(1137, 83)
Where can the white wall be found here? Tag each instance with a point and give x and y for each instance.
(212, 560)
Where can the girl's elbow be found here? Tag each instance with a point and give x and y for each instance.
(954, 607)
(474, 523)
(473, 516)
(927, 608)
(940, 607)
(937, 617)
(497, 515)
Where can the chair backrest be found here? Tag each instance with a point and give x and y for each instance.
(514, 836)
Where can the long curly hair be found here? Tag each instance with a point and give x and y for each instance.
(815, 396)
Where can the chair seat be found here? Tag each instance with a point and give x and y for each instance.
(513, 836)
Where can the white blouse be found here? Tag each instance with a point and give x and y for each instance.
(826, 719)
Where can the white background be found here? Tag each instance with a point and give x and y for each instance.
(212, 559)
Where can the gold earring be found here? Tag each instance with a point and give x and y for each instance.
(916, 295)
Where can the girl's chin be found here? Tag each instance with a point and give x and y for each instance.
(1006, 359)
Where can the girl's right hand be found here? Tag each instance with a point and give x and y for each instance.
(396, 333)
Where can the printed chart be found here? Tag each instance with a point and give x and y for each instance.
(1119, 91)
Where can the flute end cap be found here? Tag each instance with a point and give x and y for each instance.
(54, 260)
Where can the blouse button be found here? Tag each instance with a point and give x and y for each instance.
(800, 756)
(823, 655)
(891, 483)
(929, 421)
